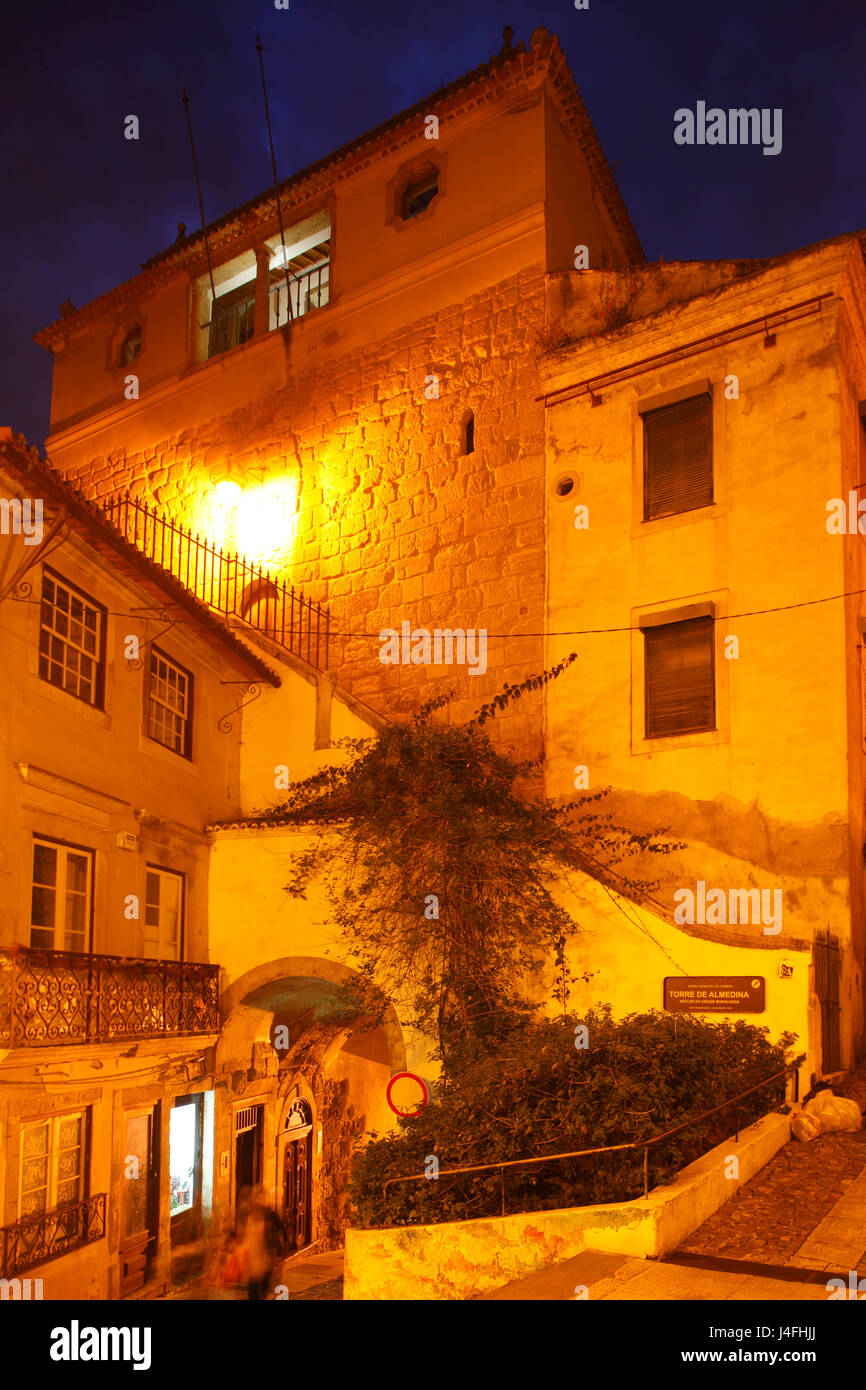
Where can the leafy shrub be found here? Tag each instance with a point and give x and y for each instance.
(525, 1090)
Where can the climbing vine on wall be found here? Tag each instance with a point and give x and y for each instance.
(443, 863)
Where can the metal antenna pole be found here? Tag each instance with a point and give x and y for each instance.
(276, 182)
(200, 202)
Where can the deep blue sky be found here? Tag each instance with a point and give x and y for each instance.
(82, 207)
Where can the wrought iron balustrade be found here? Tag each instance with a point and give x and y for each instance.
(48, 998)
(231, 325)
(311, 289)
(225, 582)
(45, 1235)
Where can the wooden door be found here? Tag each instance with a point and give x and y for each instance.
(296, 1190)
(138, 1198)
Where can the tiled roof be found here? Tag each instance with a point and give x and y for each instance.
(88, 520)
(512, 63)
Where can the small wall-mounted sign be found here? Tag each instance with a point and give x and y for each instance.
(714, 994)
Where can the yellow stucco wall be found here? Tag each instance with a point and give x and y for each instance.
(764, 801)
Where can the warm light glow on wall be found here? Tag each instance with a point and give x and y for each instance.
(265, 520)
(227, 494)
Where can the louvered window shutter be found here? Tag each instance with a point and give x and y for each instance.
(680, 688)
(678, 457)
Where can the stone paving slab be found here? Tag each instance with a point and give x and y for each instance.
(557, 1282)
(843, 1230)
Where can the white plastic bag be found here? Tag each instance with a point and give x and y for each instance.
(805, 1127)
(836, 1114)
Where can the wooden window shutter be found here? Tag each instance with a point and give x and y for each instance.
(678, 457)
(680, 687)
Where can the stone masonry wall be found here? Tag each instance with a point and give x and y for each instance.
(394, 523)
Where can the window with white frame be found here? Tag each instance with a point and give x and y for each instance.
(71, 640)
(169, 703)
(53, 1153)
(60, 896)
(163, 914)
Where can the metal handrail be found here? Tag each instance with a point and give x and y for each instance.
(228, 583)
(607, 1148)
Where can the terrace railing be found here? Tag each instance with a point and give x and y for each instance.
(226, 582)
(50, 998)
(633, 1145)
(309, 290)
(231, 325)
(43, 1236)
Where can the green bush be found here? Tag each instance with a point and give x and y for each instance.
(525, 1090)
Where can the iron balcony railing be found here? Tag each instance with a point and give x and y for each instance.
(49, 998)
(231, 325)
(33, 1240)
(635, 1144)
(309, 290)
(226, 582)
(234, 324)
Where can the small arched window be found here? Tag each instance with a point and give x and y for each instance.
(469, 433)
(418, 196)
(131, 346)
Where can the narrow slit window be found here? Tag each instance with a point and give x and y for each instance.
(469, 434)
(131, 346)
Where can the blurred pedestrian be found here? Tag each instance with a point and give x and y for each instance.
(262, 1241)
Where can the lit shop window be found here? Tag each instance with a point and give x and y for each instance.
(184, 1155)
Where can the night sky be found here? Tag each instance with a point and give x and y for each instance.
(83, 207)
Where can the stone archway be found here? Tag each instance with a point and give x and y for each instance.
(290, 982)
(286, 1036)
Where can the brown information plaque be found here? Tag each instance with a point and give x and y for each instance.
(714, 994)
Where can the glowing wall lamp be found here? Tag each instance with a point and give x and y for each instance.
(227, 494)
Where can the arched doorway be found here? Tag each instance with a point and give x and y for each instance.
(296, 1167)
(290, 1036)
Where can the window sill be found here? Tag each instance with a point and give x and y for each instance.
(257, 339)
(711, 513)
(158, 750)
(55, 696)
(707, 738)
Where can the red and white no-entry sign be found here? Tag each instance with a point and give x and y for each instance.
(407, 1094)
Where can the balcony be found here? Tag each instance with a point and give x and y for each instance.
(311, 289)
(49, 998)
(232, 324)
(33, 1240)
(290, 297)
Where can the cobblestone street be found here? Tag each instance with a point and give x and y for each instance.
(771, 1218)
